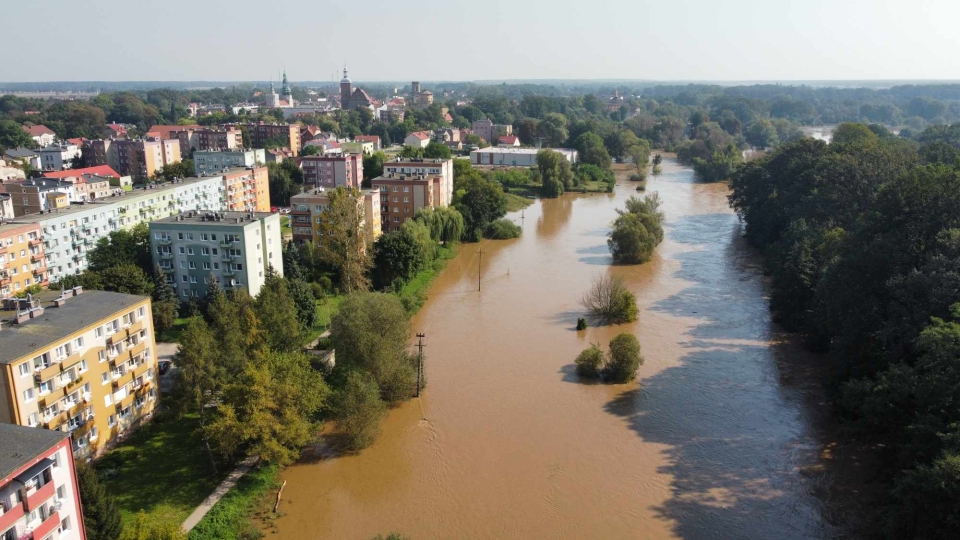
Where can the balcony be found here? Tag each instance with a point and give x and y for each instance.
(229, 273)
(48, 371)
(70, 361)
(137, 349)
(166, 256)
(167, 269)
(11, 516)
(47, 399)
(47, 527)
(141, 370)
(165, 241)
(123, 380)
(225, 244)
(34, 242)
(56, 420)
(40, 496)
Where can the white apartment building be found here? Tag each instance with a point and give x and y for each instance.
(214, 161)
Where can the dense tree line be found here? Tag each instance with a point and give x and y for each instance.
(862, 241)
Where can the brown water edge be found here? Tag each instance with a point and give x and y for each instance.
(723, 435)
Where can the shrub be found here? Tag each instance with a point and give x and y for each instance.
(624, 359)
(358, 410)
(609, 300)
(325, 282)
(590, 362)
(581, 323)
(637, 230)
(638, 177)
(319, 293)
(502, 229)
(656, 170)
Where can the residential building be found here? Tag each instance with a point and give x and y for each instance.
(213, 161)
(417, 139)
(401, 197)
(372, 139)
(24, 156)
(489, 131)
(10, 173)
(70, 232)
(99, 170)
(327, 147)
(423, 100)
(235, 248)
(80, 362)
(208, 138)
(392, 113)
(39, 195)
(41, 134)
(39, 494)
(354, 98)
(306, 211)
(508, 156)
(508, 141)
(358, 147)
(445, 135)
(414, 167)
(89, 187)
(160, 131)
(332, 171)
(57, 157)
(114, 131)
(287, 135)
(6, 207)
(22, 259)
(247, 189)
(139, 159)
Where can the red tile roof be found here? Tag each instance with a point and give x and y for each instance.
(78, 141)
(370, 138)
(99, 170)
(422, 135)
(40, 129)
(507, 139)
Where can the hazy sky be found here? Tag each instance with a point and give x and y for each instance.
(402, 40)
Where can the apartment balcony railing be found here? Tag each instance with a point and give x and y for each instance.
(166, 256)
(165, 241)
(35, 242)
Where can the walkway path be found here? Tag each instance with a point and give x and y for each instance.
(218, 493)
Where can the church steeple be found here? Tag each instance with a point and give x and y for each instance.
(285, 88)
(346, 89)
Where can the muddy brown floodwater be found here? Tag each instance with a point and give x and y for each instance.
(712, 441)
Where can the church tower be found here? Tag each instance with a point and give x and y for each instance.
(346, 89)
(285, 93)
(272, 100)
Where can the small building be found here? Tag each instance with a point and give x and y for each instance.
(417, 139)
(58, 156)
(509, 156)
(40, 195)
(206, 162)
(490, 132)
(235, 248)
(372, 139)
(81, 364)
(99, 170)
(38, 485)
(114, 131)
(24, 156)
(358, 147)
(508, 141)
(41, 134)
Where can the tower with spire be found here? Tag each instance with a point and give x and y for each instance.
(285, 93)
(346, 89)
(272, 100)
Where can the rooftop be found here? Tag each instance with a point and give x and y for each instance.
(22, 444)
(38, 130)
(56, 323)
(416, 161)
(99, 170)
(214, 219)
(517, 150)
(20, 152)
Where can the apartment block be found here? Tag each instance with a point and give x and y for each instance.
(400, 198)
(215, 161)
(22, 259)
(287, 135)
(139, 159)
(82, 363)
(58, 156)
(235, 248)
(39, 195)
(306, 210)
(328, 172)
(208, 138)
(247, 190)
(416, 167)
(70, 232)
(39, 494)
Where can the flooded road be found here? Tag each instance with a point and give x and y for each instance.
(710, 441)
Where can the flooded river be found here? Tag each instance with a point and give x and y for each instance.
(714, 440)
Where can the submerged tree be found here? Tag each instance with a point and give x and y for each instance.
(610, 301)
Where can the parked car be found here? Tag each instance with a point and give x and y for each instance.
(163, 366)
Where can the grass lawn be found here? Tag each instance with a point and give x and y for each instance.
(161, 469)
(325, 311)
(516, 202)
(173, 335)
(232, 516)
(414, 293)
(285, 225)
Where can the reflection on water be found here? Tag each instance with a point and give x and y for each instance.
(507, 443)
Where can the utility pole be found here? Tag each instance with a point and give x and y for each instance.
(479, 262)
(420, 336)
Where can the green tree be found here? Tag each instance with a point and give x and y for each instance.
(555, 171)
(126, 278)
(446, 224)
(124, 246)
(640, 155)
(165, 302)
(624, 360)
(637, 231)
(762, 134)
(101, 515)
(269, 411)
(282, 185)
(276, 310)
(436, 150)
(591, 150)
(358, 410)
(397, 255)
(373, 165)
(370, 333)
(590, 362)
(618, 142)
(479, 201)
(310, 150)
(553, 128)
(609, 300)
(343, 243)
(14, 136)
(304, 302)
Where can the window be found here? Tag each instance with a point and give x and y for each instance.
(108, 399)
(111, 420)
(102, 356)
(93, 433)
(192, 265)
(83, 366)
(180, 237)
(65, 523)
(24, 369)
(33, 420)
(183, 265)
(181, 249)
(193, 279)
(28, 395)
(61, 491)
(104, 378)
(98, 332)
(204, 236)
(189, 251)
(46, 386)
(406, 199)
(141, 312)
(206, 266)
(183, 279)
